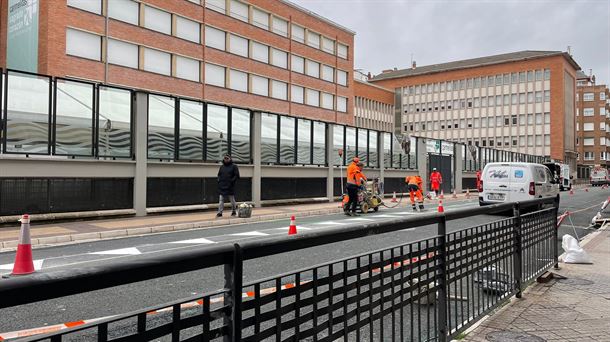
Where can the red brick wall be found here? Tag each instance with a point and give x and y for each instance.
(374, 93)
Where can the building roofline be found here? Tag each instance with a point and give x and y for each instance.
(317, 16)
(374, 85)
(483, 64)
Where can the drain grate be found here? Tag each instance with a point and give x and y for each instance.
(577, 281)
(512, 336)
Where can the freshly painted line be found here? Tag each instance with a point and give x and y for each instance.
(298, 227)
(252, 233)
(122, 251)
(358, 219)
(386, 216)
(331, 223)
(194, 241)
(407, 230)
(37, 265)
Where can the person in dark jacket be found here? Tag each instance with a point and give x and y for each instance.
(228, 174)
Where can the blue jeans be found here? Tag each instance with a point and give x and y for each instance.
(221, 203)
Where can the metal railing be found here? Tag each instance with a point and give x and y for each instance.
(426, 290)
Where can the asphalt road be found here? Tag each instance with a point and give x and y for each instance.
(141, 295)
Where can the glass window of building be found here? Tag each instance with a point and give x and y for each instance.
(157, 20)
(123, 10)
(280, 26)
(514, 78)
(312, 68)
(469, 83)
(260, 18)
(338, 135)
(260, 52)
(547, 118)
(73, 118)
(477, 82)
(296, 94)
(217, 139)
(279, 90)
(312, 97)
(341, 104)
(521, 98)
(328, 73)
(538, 95)
(238, 80)
(188, 29)
(328, 45)
(279, 58)
(522, 77)
(287, 140)
(238, 10)
(362, 145)
(328, 101)
(522, 140)
(602, 126)
(588, 97)
(240, 135)
(514, 99)
(498, 80)
(269, 143)
(313, 39)
(547, 74)
(602, 96)
(215, 38)
(298, 33)
(507, 99)
(238, 45)
(530, 76)
(161, 121)
(215, 75)
(217, 5)
(190, 140)
(530, 97)
(87, 5)
(157, 61)
(373, 155)
(260, 85)
(122, 53)
(350, 144)
(83, 44)
(506, 78)
(319, 143)
(449, 86)
(187, 68)
(547, 95)
(538, 118)
(297, 64)
(303, 141)
(530, 119)
(588, 126)
(499, 120)
(114, 128)
(342, 50)
(538, 75)
(342, 77)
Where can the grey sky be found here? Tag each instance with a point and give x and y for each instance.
(434, 31)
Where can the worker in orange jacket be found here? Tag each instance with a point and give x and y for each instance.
(353, 183)
(415, 187)
(436, 179)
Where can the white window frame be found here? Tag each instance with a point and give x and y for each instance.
(259, 85)
(236, 10)
(216, 42)
(188, 29)
(260, 52)
(297, 94)
(187, 63)
(152, 16)
(588, 97)
(214, 69)
(343, 50)
(312, 97)
(233, 39)
(279, 90)
(342, 77)
(297, 64)
(86, 5)
(297, 33)
(234, 76)
(588, 126)
(154, 66)
(260, 18)
(313, 39)
(280, 26)
(588, 111)
(341, 104)
(133, 61)
(327, 73)
(120, 10)
(79, 43)
(279, 58)
(312, 68)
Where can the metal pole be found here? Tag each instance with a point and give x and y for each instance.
(518, 251)
(233, 283)
(555, 236)
(442, 280)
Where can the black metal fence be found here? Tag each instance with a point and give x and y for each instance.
(426, 290)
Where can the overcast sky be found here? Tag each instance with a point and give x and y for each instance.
(435, 31)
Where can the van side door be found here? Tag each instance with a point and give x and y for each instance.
(540, 181)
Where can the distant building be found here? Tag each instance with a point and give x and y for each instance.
(592, 124)
(373, 105)
(511, 101)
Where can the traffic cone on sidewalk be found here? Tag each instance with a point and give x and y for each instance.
(442, 195)
(292, 229)
(571, 192)
(467, 193)
(394, 200)
(454, 194)
(440, 206)
(24, 264)
(587, 189)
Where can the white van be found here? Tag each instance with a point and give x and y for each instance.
(514, 182)
(599, 176)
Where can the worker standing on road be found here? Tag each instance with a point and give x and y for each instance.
(478, 179)
(436, 179)
(415, 187)
(352, 187)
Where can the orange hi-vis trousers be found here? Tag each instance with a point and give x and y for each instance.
(415, 191)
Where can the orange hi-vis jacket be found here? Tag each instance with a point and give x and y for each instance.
(354, 175)
(416, 180)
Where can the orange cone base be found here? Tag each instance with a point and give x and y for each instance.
(24, 263)
(440, 207)
(292, 230)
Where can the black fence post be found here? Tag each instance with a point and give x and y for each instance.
(442, 279)
(233, 282)
(517, 258)
(556, 234)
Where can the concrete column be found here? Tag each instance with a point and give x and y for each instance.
(458, 163)
(141, 153)
(330, 191)
(256, 159)
(422, 162)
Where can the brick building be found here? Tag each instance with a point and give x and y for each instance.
(592, 124)
(511, 101)
(373, 105)
(264, 55)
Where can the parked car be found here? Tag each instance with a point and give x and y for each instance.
(562, 175)
(513, 182)
(599, 176)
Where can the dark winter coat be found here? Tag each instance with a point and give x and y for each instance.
(228, 174)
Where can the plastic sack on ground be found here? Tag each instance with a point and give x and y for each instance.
(574, 254)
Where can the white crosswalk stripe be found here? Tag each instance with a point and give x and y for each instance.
(122, 251)
(331, 223)
(252, 233)
(387, 216)
(37, 265)
(298, 227)
(194, 241)
(359, 219)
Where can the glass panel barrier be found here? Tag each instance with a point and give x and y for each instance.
(338, 137)
(319, 143)
(350, 144)
(217, 141)
(269, 143)
(114, 122)
(240, 135)
(304, 142)
(373, 157)
(362, 148)
(287, 140)
(73, 118)
(161, 123)
(387, 150)
(190, 140)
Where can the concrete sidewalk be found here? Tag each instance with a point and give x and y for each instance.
(572, 309)
(65, 232)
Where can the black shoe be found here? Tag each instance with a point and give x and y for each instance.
(414, 209)
(219, 215)
(421, 207)
(347, 213)
(233, 214)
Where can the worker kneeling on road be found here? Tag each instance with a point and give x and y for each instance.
(414, 185)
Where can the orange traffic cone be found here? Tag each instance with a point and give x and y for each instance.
(467, 193)
(292, 229)
(586, 189)
(454, 194)
(24, 264)
(571, 192)
(394, 200)
(440, 206)
(442, 195)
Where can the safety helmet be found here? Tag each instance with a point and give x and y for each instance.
(356, 160)
(433, 169)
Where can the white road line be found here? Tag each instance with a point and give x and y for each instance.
(194, 241)
(252, 233)
(122, 251)
(358, 219)
(298, 227)
(37, 265)
(331, 223)
(386, 216)
(407, 230)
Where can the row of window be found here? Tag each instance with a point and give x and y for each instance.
(278, 25)
(591, 141)
(497, 121)
(480, 82)
(591, 96)
(538, 140)
(474, 158)
(591, 111)
(591, 155)
(244, 47)
(590, 126)
(477, 102)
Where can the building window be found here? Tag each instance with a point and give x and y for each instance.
(187, 68)
(215, 38)
(547, 95)
(506, 78)
(328, 45)
(538, 140)
(588, 126)
(514, 120)
(240, 135)
(538, 118)
(538, 95)
(297, 64)
(328, 73)
(122, 53)
(157, 20)
(260, 18)
(530, 97)
(341, 104)
(238, 45)
(238, 80)
(157, 61)
(588, 112)
(521, 98)
(287, 140)
(312, 68)
(589, 156)
(522, 141)
(83, 44)
(269, 138)
(547, 118)
(260, 52)
(279, 90)
(602, 111)
(260, 85)
(328, 101)
(538, 75)
(588, 97)
(280, 26)
(298, 33)
(279, 58)
(312, 97)
(602, 141)
(214, 75)
(602, 126)
(547, 140)
(87, 5)
(239, 10)
(188, 29)
(296, 94)
(73, 113)
(530, 76)
(602, 96)
(514, 99)
(547, 74)
(313, 39)
(216, 5)
(342, 50)
(124, 10)
(342, 77)
(589, 141)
